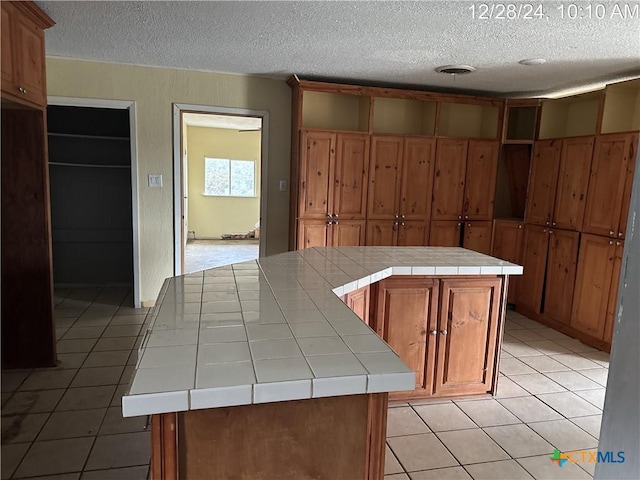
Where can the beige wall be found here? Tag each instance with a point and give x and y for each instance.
(210, 217)
(155, 90)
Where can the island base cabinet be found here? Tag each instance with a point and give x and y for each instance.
(445, 330)
(468, 326)
(321, 438)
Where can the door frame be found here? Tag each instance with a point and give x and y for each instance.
(131, 107)
(178, 168)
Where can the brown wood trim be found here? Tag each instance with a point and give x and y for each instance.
(500, 336)
(31, 10)
(377, 433)
(296, 120)
(164, 446)
(564, 328)
(523, 102)
(603, 96)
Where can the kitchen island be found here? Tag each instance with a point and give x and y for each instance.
(261, 370)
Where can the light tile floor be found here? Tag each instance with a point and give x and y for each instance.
(65, 423)
(203, 254)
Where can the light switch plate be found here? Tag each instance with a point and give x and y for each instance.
(155, 180)
(283, 185)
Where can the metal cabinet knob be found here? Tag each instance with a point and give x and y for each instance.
(433, 332)
(619, 234)
(335, 215)
(443, 332)
(466, 217)
(519, 226)
(547, 223)
(554, 224)
(468, 224)
(22, 90)
(618, 243)
(396, 216)
(459, 224)
(402, 216)
(612, 233)
(551, 231)
(610, 242)
(459, 217)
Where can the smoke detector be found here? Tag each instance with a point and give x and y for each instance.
(455, 69)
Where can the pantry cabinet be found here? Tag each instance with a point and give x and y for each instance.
(477, 237)
(607, 199)
(507, 245)
(445, 233)
(558, 182)
(465, 179)
(596, 286)
(397, 233)
(23, 54)
(331, 233)
(534, 261)
(444, 329)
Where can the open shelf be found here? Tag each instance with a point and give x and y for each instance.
(571, 116)
(521, 123)
(622, 107)
(335, 111)
(468, 120)
(403, 116)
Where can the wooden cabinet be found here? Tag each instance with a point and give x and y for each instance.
(384, 177)
(330, 233)
(595, 293)
(477, 236)
(534, 261)
(445, 234)
(558, 182)
(573, 180)
(397, 233)
(333, 178)
(445, 330)
(406, 317)
(23, 56)
(549, 259)
(607, 199)
(464, 179)
(506, 244)
(467, 336)
(358, 301)
(560, 274)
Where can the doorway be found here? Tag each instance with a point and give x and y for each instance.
(93, 187)
(220, 171)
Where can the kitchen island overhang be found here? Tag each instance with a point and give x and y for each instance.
(275, 330)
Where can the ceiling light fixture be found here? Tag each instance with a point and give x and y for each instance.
(530, 62)
(455, 69)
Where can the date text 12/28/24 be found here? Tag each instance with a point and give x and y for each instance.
(561, 10)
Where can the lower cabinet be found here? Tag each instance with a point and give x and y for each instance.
(446, 330)
(507, 245)
(405, 233)
(358, 301)
(549, 259)
(596, 291)
(330, 233)
(473, 235)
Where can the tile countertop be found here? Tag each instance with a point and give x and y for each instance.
(274, 329)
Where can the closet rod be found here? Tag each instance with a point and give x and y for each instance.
(88, 165)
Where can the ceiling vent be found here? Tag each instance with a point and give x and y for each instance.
(456, 69)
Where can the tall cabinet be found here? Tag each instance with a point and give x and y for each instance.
(28, 333)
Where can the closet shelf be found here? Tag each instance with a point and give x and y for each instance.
(91, 137)
(65, 164)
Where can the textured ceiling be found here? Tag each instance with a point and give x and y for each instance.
(211, 120)
(382, 42)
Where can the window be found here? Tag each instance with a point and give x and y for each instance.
(229, 178)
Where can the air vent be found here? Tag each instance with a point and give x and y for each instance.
(455, 69)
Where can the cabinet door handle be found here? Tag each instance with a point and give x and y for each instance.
(468, 224)
(459, 224)
(466, 217)
(443, 332)
(335, 215)
(397, 216)
(519, 226)
(544, 230)
(618, 243)
(433, 332)
(402, 217)
(459, 217)
(551, 232)
(22, 90)
(554, 224)
(612, 233)
(610, 242)
(547, 223)
(619, 234)
(335, 223)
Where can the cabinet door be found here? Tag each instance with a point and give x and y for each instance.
(448, 179)
(445, 234)
(381, 233)
(312, 233)
(384, 177)
(626, 196)
(477, 236)
(534, 260)
(351, 176)
(507, 245)
(542, 181)
(561, 274)
(8, 65)
(413, 234)
(316, 160)
(593, 285)
(417, 178)
(480, 180)
(467, 335)
(606, 184)
(406, 313)
(348, 233)
(358, 301)
(573, 180)
(29, 61)
(612, 305)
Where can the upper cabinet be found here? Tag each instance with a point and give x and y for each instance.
(622, 107)
(23, 57)
(398, 116)
(469, 120)
(335, 111)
